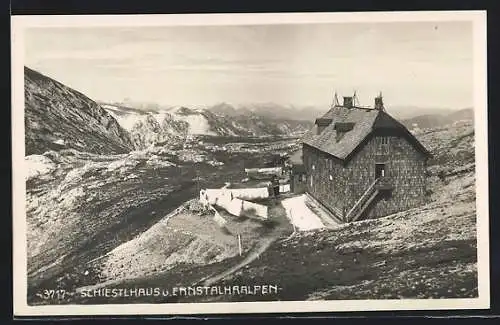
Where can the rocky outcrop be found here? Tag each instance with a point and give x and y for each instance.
(148, 128)
(58, 117)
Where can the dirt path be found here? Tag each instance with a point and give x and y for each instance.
(261, 246)
(252, 255)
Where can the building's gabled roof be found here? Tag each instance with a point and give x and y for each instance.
(366, 122)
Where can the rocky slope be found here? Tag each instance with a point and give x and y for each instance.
(58, 117)
(156, 127)
(80, 206)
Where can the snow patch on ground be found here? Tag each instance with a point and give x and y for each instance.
(110, 107)
(160, 117)
(129, 121)
(300, 215)
(157, 162)
(122, 164)
(198, 124)
(38, 165)
(126, 121)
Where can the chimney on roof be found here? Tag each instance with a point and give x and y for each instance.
(379, 103)
(347, 102)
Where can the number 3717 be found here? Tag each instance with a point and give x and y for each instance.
(50, 294)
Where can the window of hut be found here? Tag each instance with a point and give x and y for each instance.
(385, 145)
(380, 170)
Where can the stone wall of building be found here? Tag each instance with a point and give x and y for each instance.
(404, 170)
(326, 179)
(339, 186)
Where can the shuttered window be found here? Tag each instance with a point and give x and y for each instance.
(385, 145)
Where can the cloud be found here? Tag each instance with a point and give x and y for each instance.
(281, 62)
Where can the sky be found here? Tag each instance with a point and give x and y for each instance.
(421, 64)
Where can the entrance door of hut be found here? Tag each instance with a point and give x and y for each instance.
(379, 170)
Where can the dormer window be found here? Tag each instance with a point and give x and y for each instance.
(321, 124)
(342, 128)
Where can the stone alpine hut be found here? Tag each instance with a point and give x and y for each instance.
(362, 163)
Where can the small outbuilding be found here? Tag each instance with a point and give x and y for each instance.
(297, 173)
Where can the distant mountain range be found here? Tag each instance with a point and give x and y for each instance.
(58, 117)
(310, 113)
(268, 110)
(163, 125)
(431, 121)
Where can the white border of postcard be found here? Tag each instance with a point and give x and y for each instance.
(19, 23)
